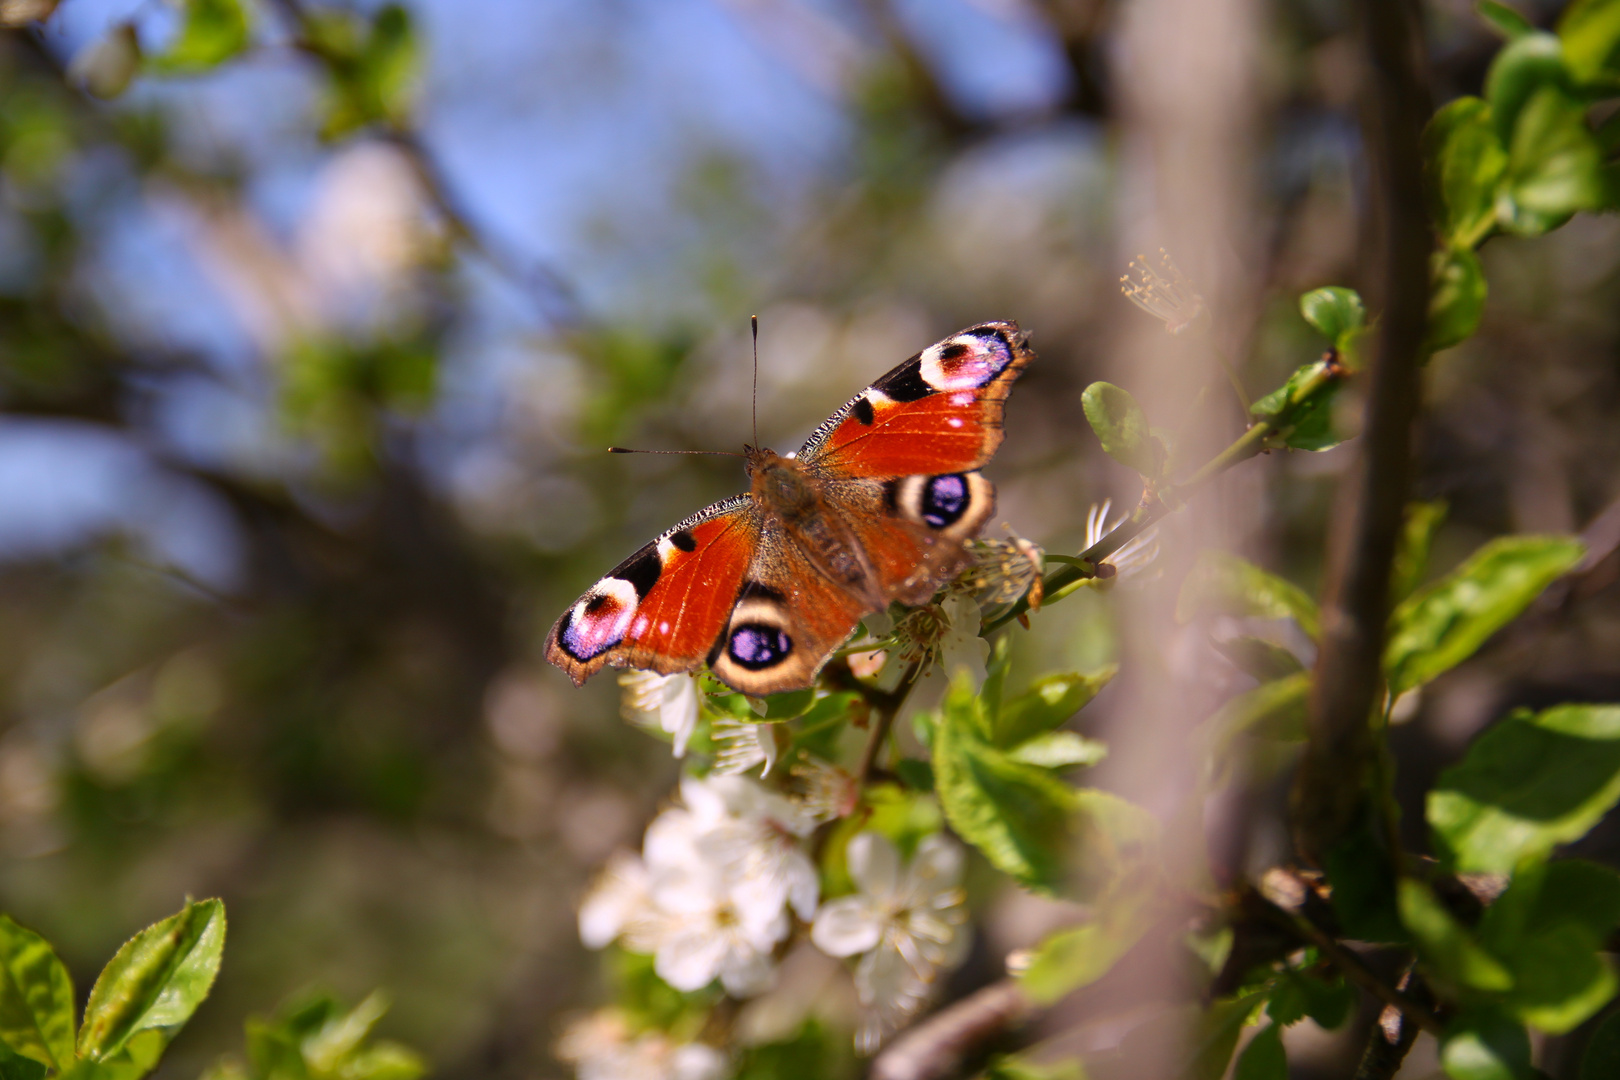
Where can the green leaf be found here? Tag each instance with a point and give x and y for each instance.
(1020, 816)
(1590, 32)
(1523, 67)
(1047, 703)
(915, 774)
(1445, 945)
(1329, 1004)
(156, 981)
(1528, 784)
(1554, 165)
(1442, 625)
(1422, 521)
(13, 1066)
(1483, 1044)
(1223, 584)
(1602, 1058)
(1334, 310)
(1364, 885)
(1273, 710)
(374, 67)
(1463, 161)
(1264, 1058)
(1304, 420)
(784, 706)
(36, 998)
(1505, 20)
(1122, 428)
(1059, 750)
(1080, 955)
(212, 32)
(1259, 658)
(1019, 1067)
(1217, 1035)
(1456, 298)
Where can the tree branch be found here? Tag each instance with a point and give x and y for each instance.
(1330, 787)
(935, 1048)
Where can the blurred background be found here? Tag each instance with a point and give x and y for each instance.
(311, 343)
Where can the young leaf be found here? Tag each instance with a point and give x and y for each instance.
(1505, 20)
(1018, 815)
(155, 981)
(1080, 955)
(212, 33)
(1590, 31)
(1018, 1067)
(1122, 428)
(1520, 69)
(1258, 657)
(1445, 944)
(1059, 750)
(1527, 785)
(36, 998)
(1441, 626)
(1222, 584)
(1602, 1058)
(1048, 702)
(1422, 521)
(1463, 160)
(1554, 165)
(1264, 1058)
(1482, 1044)
(1456, 298)
(1273, 710)
(1334, 310)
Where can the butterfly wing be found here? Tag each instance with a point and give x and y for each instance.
(939, 412)
(789, 618)
(663, 608)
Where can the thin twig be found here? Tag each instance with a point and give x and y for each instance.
(886, 706)
(1156, 504)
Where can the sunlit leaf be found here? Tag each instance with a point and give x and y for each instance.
(155, 981)
(1521, 69)
(1442, 625)
(1456, 298)
(1463, 161)
(1554, 165)
(36, 998)
(1059, 750)
(1445, 944)
(211, 32)
(1590, 31)
(1304, 422)
(1047, 703)
(1273, 710)
(1504, 19)
(1482, 1044)
(1258, 657)
(1528, 784)
(1334, 310)
(1122, 428)
(1018, 815)
(1223, 584)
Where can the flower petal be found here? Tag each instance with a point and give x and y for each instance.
(874, 864)
(846, 926)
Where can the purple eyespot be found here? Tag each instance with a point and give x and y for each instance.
(944, 499)
(757, 646)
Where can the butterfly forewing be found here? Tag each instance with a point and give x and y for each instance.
(663, 607)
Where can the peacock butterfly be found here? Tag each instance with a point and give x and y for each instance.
(876, 506)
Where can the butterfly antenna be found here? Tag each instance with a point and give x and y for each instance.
(753, 321)
(721, 453)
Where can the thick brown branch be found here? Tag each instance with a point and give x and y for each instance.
(936, 1047)
(1330, 789)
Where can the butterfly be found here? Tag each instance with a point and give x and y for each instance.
(877, 506)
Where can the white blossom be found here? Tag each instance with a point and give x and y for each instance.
(668, 702)
(1133, 557)
(742, 744)
(601, 1047)
(710, 896)
(905, 923)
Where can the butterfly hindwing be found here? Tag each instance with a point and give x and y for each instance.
(913, 529)
(663, 607)
(789, 618)
(939, 412)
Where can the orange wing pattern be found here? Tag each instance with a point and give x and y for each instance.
(662, 608)
(939, 412)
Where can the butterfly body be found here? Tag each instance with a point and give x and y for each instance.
(876, 507)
